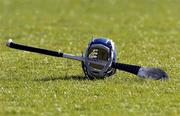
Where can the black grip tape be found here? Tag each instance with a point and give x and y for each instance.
(134, 69)
(35, 49)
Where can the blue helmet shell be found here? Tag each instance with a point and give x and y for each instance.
(106, 42)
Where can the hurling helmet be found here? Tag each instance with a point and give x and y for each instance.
(99, 58)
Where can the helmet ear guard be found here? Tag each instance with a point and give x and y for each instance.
(103, 54)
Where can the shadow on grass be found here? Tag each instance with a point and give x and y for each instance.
(140, 80)
(82, 78)
(133, 79)
(78, 78)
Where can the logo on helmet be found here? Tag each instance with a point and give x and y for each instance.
(93, 54)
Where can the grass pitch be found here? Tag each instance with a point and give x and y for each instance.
(146, 32)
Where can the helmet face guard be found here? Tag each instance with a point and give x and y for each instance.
(103, 53)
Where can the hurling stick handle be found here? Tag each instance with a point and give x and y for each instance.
(14, 45)
(134, 69)
(18, 46)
